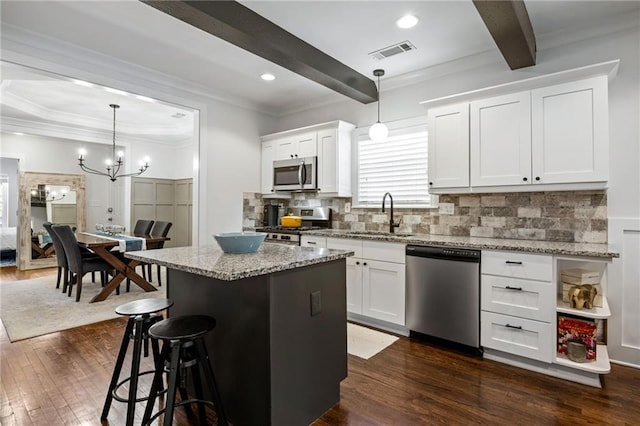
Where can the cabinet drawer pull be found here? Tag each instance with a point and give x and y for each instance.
(513, 262)
(516, 327)
(311, 242)
(513, 288)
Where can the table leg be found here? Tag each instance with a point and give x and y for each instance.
(126, 269)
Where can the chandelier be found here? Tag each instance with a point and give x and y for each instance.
(114, 164)
(48, 195)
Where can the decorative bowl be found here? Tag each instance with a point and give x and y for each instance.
(240, 242)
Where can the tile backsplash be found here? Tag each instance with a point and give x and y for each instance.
(571, 216)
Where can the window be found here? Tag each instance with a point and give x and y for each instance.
(398, 165)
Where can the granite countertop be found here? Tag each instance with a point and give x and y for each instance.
(532, 246)
(211, 261)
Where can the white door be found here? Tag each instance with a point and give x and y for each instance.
(383, 291)
(286, 149)
(327, 161)
(354, 285)
(501, 140)
(306, 145)
(448, 146)
(570, 132)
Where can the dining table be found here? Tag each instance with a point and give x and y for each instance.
(107, 248)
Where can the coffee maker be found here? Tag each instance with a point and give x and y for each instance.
(272, 214)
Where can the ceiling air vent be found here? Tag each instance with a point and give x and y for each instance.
(401, 47)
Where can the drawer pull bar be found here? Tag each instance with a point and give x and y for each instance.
(518, 327)
(511, 262)
(513, 288)
(311, 242)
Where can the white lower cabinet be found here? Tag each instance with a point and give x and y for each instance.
(518, 304)
(311, 241)
(375, 278)
(521, 299)
(518, 336)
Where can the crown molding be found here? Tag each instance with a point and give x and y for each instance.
(35, 50)
(62, 131)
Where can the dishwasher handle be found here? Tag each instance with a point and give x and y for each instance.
(445, 253)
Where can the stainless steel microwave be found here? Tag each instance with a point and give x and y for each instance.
(299, 174)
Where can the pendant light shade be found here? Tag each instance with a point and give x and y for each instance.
(379, 131)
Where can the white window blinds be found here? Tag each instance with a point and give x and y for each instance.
(398, 165)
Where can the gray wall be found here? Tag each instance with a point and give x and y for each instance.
(9, 167)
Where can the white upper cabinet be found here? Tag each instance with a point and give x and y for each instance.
(334, 160)
(448, 146)
(501, 140)
(546, 133)
(330, 142)
(570, 132)
(298, 146)
(266, 168)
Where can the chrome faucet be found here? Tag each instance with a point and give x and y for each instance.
(391, 224)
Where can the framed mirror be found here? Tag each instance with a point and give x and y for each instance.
(47, 197)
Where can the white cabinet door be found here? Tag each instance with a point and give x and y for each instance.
(449, 146)
(383, 291)
(286, 149)
(306, 145)
(501, 140)
(327, 161)
(354, 285)
(266, 176)
(570, 132)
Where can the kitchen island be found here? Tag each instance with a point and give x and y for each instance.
(279, 349)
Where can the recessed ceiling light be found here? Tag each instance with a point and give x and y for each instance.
(83, 83)
(407, 21)
(116, 91)
(268, 77)
(145, 98)
(18, 133)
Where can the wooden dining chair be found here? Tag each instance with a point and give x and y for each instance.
(77, 265)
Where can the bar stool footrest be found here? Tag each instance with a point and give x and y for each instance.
(117, 397)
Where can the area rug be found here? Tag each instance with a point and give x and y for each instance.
(30, 308)
(364, 342)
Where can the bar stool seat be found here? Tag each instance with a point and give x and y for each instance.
(142, 315)
(183, 348)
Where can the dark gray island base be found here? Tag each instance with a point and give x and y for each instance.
(279, 349)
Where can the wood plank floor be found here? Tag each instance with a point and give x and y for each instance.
(61, 378)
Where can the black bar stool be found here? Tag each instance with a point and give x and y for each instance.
(183, 347)
(142, 315)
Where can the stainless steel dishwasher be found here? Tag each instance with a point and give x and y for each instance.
(443, 295)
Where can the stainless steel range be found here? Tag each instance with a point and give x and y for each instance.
(312, 218)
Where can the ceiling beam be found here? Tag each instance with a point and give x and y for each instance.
(509, 25)
(239, 25)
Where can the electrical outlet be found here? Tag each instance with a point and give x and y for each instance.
(347, 207)
(446, 208)
(316, 303)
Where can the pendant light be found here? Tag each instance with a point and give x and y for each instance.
(114, 164)
(379, 131)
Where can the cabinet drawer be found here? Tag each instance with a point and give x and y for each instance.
(527, 338)
(527, 299)
(387, 252)
(346, 244)
(308, 241)
(517, 265)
